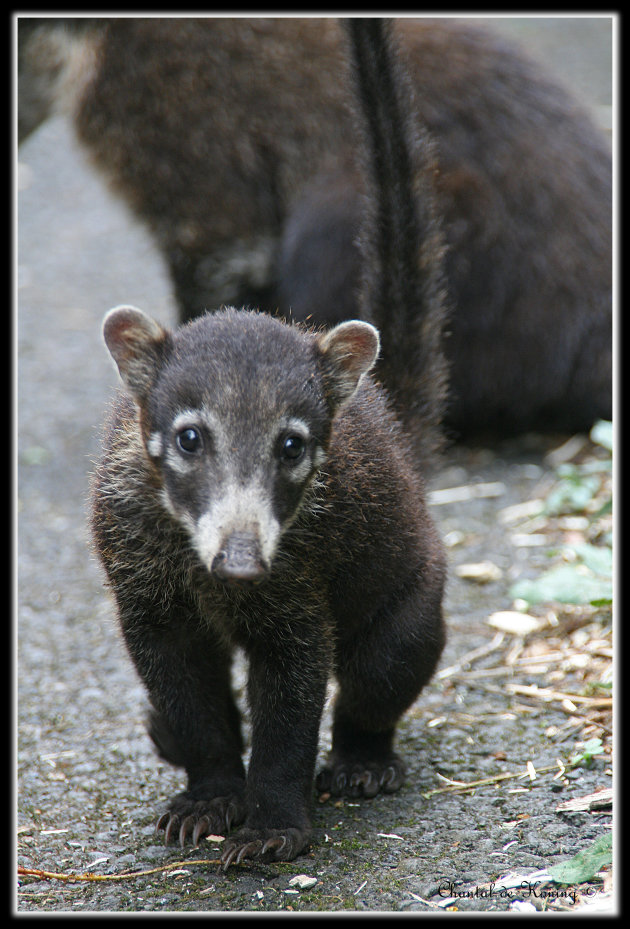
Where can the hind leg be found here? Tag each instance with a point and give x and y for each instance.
(380, 673)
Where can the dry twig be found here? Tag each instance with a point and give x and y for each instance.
(123, 876)
(454, 786)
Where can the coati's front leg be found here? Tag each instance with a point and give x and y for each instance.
(194, 722)
(380, 673)
(287, 690)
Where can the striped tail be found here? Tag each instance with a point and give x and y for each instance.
(403, 289)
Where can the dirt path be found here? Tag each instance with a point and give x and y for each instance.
(89, 784)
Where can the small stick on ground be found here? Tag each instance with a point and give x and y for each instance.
(123, 876)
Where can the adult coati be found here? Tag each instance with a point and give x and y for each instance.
(256, 489)
(233, 139)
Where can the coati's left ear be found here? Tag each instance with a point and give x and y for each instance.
(349, 351)
(136, 343)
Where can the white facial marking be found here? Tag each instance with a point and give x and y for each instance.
(299, 472)
(238, 509)
(154, 445)
(180, 515)
(194, 417)
(176, 461)
(319, 457)
(293, 424)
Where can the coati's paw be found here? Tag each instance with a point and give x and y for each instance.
(264, 845)
(356, 778)
(188, 816)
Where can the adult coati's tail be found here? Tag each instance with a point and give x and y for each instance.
(403, 288)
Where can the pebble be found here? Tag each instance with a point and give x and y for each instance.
(302, 881)
(515, 623)
(480, 573)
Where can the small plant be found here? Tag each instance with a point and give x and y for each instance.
(587, 753)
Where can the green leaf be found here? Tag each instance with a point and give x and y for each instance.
(572, 492)
(567, 583)
(585, 865)
(589, 749)
(589, 581)
(596, 557)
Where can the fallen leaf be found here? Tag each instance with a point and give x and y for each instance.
(572, 493)
(566, 583)
(598, 558)
(585, 865)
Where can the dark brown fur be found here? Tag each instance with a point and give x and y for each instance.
(355, 590)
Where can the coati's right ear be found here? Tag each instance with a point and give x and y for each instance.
(349, 351)
(136, 343)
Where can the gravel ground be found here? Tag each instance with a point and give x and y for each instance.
(89, 785)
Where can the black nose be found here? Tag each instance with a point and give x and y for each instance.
(240, 560)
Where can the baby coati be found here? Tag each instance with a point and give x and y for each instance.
(233, 139)
(256, 490)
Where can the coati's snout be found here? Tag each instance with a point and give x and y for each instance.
(240, 560)
(237, 536)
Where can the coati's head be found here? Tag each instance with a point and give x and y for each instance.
(236, 411)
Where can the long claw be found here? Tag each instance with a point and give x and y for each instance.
(370, 785)
(390, 779)
(162, 821)
(185, 828)
(276, 844)
(230, 816)
(357, 783)
(246, 850)
(387, 776)
(171, 828)
(228, 857)
(202, 827)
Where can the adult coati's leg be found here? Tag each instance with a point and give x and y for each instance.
(318, 262)
(239, 275)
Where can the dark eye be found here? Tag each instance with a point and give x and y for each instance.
(189, 440)
(293, 449)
